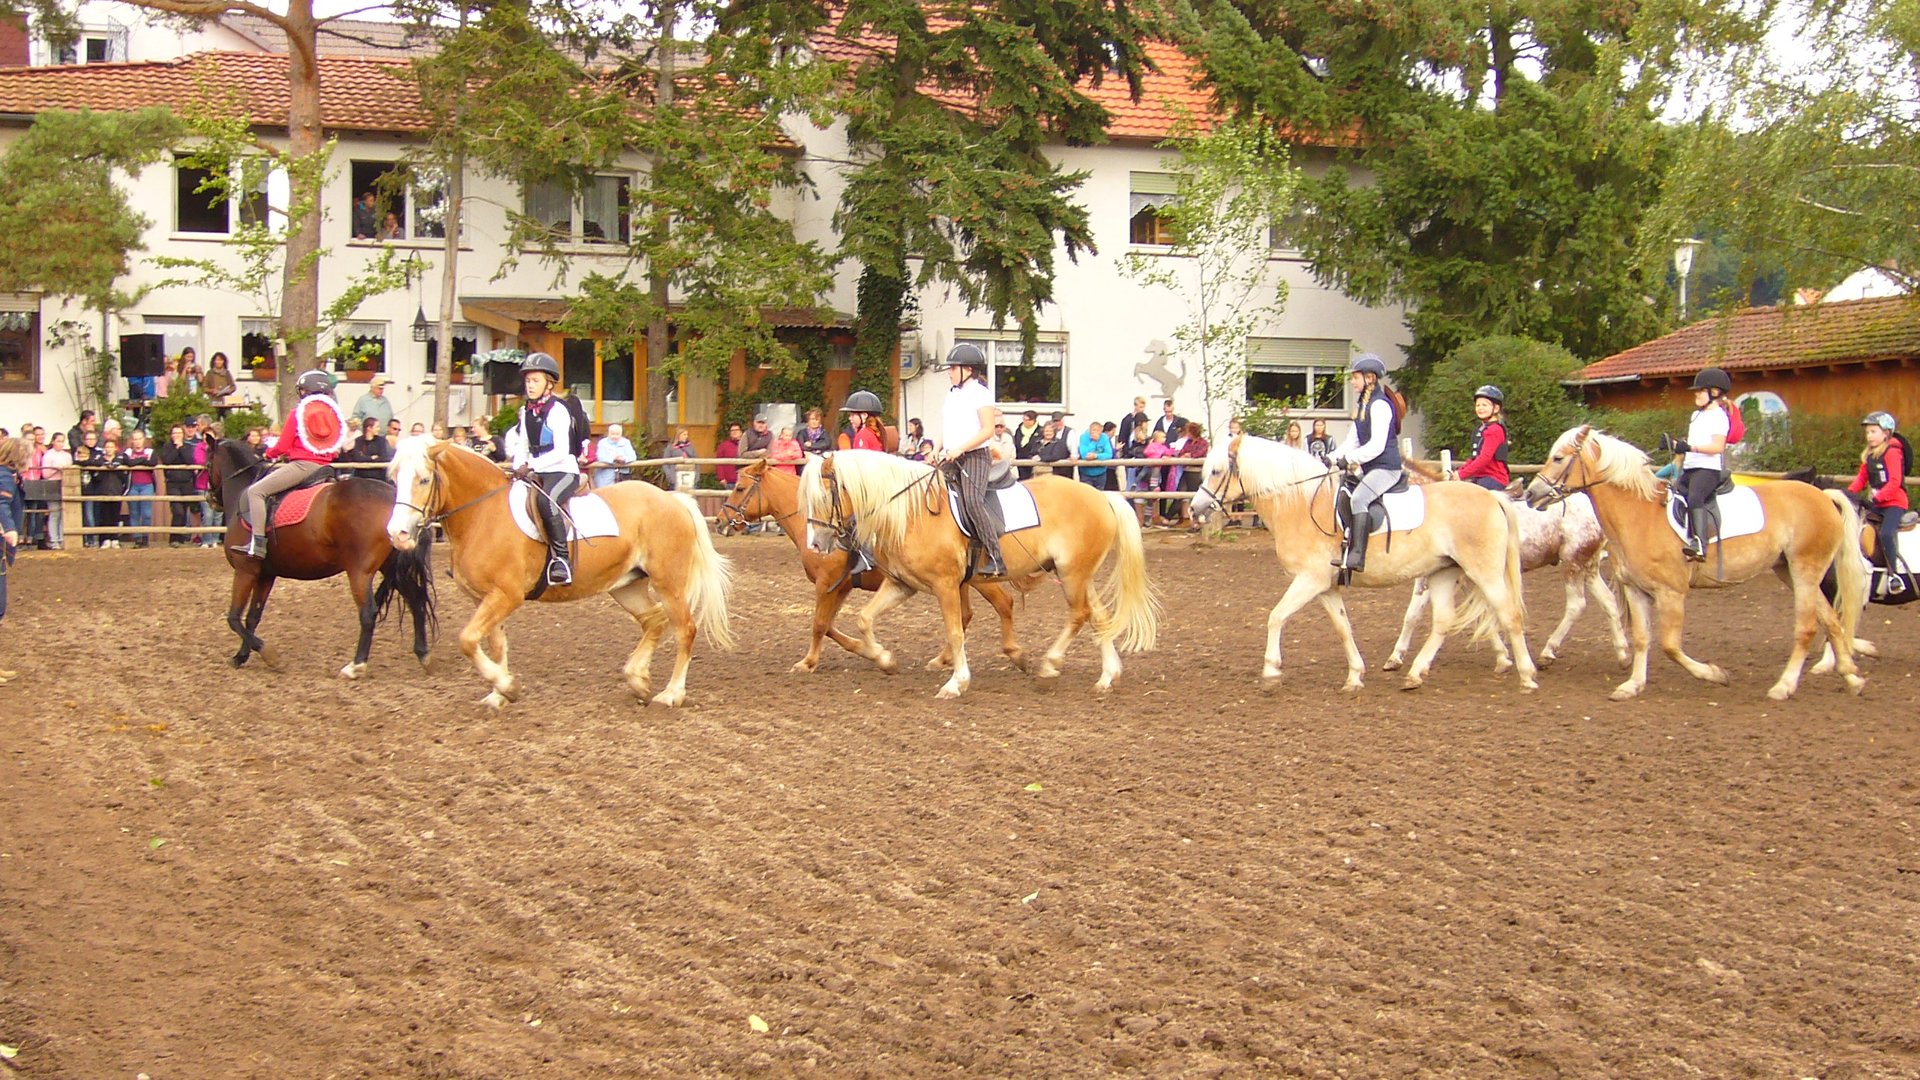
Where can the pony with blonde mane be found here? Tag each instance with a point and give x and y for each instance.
(1806, 531)
(1467, 532)
(898, 510)
(661, 568)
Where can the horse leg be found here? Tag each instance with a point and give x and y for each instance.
(638, 601)
(1336, 608)
(248, 601)
(826, 604)
(1603, 592)
(1639, 615)
(1302, 589)
(945, 660)
(417, 606)
(1812, 613)
(951, 608)
(360, 584)
(1416, 605)
(1575, 584)
(1001, 598)
(1079, 610)
(891, 593)
(1441, 587)
(255, 611)
(1671, 608)
(484, 627)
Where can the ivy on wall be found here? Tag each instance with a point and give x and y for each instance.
(805, 386)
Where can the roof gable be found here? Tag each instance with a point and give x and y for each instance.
(1839, 332)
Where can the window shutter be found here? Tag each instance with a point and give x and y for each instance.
(1298, 352)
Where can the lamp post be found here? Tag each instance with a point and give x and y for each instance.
(1683, 265)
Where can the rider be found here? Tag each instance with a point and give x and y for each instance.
(317, 432)
(544, 455)
(1374, 445)
(1702, 452)
(1882, 483)
(1488, 464)
(968, 419)
(863, 416)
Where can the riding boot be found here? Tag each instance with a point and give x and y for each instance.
(254, 548)
(996, 565)
(1696, 550)
(559, 570)
(1357, 550)
(1346, 546)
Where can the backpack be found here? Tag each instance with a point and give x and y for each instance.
(581, 428)
(1736, 424)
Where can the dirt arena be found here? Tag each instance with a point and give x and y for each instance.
(211, 873)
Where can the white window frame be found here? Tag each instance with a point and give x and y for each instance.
(577, 214)
(1002, 348)
(17, 309)
(1313, 357)
(1149, 190)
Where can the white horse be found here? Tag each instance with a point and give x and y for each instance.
(1567, 536)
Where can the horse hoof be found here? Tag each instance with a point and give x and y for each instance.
(1504, 665)
(270, 656)
(885, 662)
(1718, 675)
(1270, 683)
(1624, 692)
(1856, 683)
(1019, 661)
(512, 690)
(800, 667)
(426, 662)
(1354, 686)
(669, 698)
(1543, 661)
(1863, 647)
(1822, 668)
(1392, 664)
(1622, 660)
(494, 702)
(948, 693)
(1103, 686)
(1411, 683)
(1780, 692)
(239, 660)
(353, 671)
(1528, 686)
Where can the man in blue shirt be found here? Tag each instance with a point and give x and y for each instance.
(1095, 446)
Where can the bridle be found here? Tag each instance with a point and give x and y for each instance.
(736, 515)
(1233, 473)
(428, 520)
(1559, 491)
(839, 523)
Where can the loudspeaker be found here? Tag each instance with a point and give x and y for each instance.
(505, 379)
(142, 356)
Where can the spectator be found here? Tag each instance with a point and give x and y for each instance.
(373, 403)
(219, 379)
(13, 458)
(366, 218)
(484, 444)
(1196, 447)
(1052, 449)
(53, 468)
(1026, 441)
(815, 438)
(1170, 422)
(911, 438)
(459, 438)
(1177, 448)
(111, 481)
(256, 438)
(685, 477)
(186, 373)
(759, 440)
(728, 475)
(1156, 479)
(614, 449)
(393, 432)
(440, 431)
(138, 457)
(1000, 453)
(1139, 437)
(1095, 446)
(922, 451)
(1320, 444)
(33, 511)
(1128, 423)
(1294, 438)
(179, 481)
(784, 452)
(74, 435)
(1063, 435)
(390, 227)
(87, 454)
(204, 439)
(111, 431)
(1113, 474)
(371, 446)
(421, 429)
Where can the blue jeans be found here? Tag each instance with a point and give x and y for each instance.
(139, 511)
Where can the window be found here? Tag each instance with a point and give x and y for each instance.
(19, 344)
(1310, 372)
(598, 216)
(1041, 382)
(466, 344)
(359, 346)
(429, 204)
(379, 201)
(256, 343)
(1282, 235)
(197, 207)
(1149, 193)
(177, 335)
(91, 47)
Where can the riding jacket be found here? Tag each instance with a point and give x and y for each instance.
(317, 434)
(1885, 476)
(1489, 454)
(1374, 441)
(546, 442)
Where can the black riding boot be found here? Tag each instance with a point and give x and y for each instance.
(1357, 553)
(559, 570)
(1346, 546)
(1697, 524)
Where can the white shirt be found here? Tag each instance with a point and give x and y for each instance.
(960, 415)
(1707, 424)
(559, 424)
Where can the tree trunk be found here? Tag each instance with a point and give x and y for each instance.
(300, 288)
(449, 282)
(657, 285)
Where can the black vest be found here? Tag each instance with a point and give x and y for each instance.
(1479, 436)
(1363, 431)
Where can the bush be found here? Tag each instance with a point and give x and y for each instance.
(238, 422)
(1528, 372)
(508, 415)
(178, 407)
(1831, 444)
(1640, 427)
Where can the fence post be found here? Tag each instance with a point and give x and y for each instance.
(69, 509)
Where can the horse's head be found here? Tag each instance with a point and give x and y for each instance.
(747, 502)
(231, 459)
(1220, 480)
(1571, 467)
(416, 489)
(824, 504)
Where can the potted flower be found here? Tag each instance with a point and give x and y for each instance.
(354, 360)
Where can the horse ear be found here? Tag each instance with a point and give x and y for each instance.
(1233, 447)
(1586, 430)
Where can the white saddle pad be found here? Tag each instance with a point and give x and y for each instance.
(590, 513)
(1740, 513)
(1405, 509)
(1017, 508)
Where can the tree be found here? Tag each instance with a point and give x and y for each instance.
(1232, 185)
(1528, 372)
(1809, 163)
(1495, 159)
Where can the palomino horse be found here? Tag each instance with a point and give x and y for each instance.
(1466, 530)
(661, 559)
(344, 531)
(1805, 532)
(1569, 537)
(898, 509)
(764, 491)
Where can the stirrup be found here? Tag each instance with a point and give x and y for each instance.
(252, 549)
(558, 572)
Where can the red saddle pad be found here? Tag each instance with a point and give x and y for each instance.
(294, 506)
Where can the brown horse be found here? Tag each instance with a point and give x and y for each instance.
(1468, 531)
(898, 510)
(762, 492)
(344, 531)
(662, 558)
(1806, 531)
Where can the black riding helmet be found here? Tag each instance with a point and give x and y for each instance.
(1712, 378)
(1491, 393)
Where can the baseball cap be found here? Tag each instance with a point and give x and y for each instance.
(383, 379)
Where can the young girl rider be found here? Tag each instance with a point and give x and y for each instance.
(544, 454)
(1701, 455)
(863, 417)
(1374, 446)
(1488, 464)
(310, 440)
(1882, 485)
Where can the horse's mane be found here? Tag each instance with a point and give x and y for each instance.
(871, 480)
(1270, 468)
(1614, 461)
(1423, 470)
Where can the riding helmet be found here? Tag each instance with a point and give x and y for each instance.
(967, 355)
(1369, 364)
(1712, 379)
(1881, 420)
(865, 401)
(1491, 393)
(541, 362)
(314, 382)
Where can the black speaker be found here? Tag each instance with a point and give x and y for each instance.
(504, 379)
(143, 356)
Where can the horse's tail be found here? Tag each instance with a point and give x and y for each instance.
(1849, 569)
(709, 577)
(1473, 608)
(409, 576)
(1135, 618)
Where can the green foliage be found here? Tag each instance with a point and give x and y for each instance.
(1641, 427)
(1268, 417)
(1831, 444)
(180, 406)
(804, 385)
(69, 228)
(884, 307)
(344, 355)
(1527, 372)
(237, 422)
(504, 419)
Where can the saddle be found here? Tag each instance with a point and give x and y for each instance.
(290, 507)
(1384, 510)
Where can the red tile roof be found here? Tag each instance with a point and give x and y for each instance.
(1842, 332)
(356, 94)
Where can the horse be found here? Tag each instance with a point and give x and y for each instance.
(764, 491)
(661, 558)
(1467, 530)
(1569, 538)
(1805, 532)
(344, 531)
(899, 510)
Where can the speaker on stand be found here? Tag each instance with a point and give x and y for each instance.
(143, 358)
